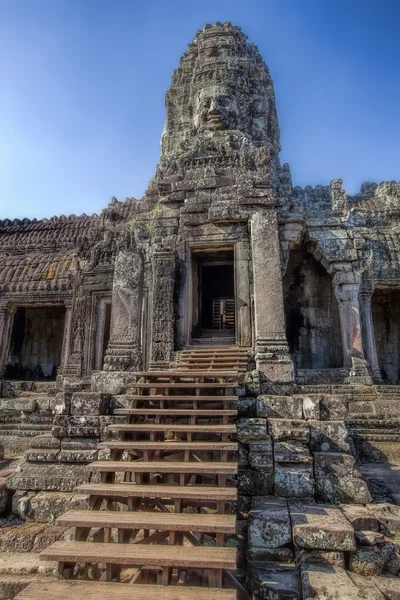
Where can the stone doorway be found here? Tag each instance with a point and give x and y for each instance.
(386, 317)
(213, 296)
(36, 342)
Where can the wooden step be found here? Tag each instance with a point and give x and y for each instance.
(169, 446)
(195, 557)
(163, 466)
(173, 412)
(93, 590)
(189, 385)
(189, 374)
(205, 523)
(177, 398)
(163, 427)
(164, 492)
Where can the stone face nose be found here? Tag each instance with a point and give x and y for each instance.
(214, 109)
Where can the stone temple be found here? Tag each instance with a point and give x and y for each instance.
(200, 388)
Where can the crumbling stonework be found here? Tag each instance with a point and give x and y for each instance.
(315, 274)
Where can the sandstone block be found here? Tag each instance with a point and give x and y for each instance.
(389, 586)
(55, 477)
(369, 538)
(42, 456)
(367, 561)
(333, 408)
(76, 426)
(43, 404)
(51, 534)
(293, 481)
(5, 495)
(76, 443)
(311, 405)
(246, 407)
(77, 456)
(336, 479)
(252, 383)
(329, 436)
(18, 405)
(320, 527)
(329, 582)
(46, 506)
(289, 429)
(20, 538)
(255, 483)
(366, 587)
(281, 407)
(388, 516)
(292, 452)
(90, 403)
(112, 382)
(319, 557)
(251, 429)
(45, 442)
(260, 455)
(261, 555)
(272, 581)
(269, 523)
(360, 517)
(60, 404)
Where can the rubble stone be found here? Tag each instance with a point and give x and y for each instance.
(269, 523)
(320, 527)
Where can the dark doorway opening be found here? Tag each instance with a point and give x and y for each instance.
(213, 294)
(386, 316)
(217, 297)
(36, 342)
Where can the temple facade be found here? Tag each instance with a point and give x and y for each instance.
(222, 248)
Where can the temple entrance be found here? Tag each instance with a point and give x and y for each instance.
(36, 342)
(386, 317)
(213, 289)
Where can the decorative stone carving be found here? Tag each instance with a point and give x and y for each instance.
(123, 352)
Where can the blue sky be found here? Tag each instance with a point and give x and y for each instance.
(83, 83)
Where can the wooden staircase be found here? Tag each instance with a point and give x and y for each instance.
(160, 506)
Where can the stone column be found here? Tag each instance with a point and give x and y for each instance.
(123, 351)
(272, 353)
(6, 324)
(242, 294)
(162, 314)
(346, 285)
(369, 332)
(66, 343)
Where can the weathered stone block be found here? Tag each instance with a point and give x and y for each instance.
(360, 517)
(261, 555)
(46, 506)
(76, 443)
(76, 426)
(367, 561)
(329, 582)
(45, 442)
(389, 586)
(5, 495)
(269, 523)
(289, 429)
(255, 483)
(336, 479)
(252, 383)
(246, 407)
(112, 382)
(333, 408)
(281, 407)
(320, 527)
(319, 557)
(272, 581)
(388, 516)
(60, 404)
(77, 456)
(49, 535)
(42, 455)
(20, 538)
(292, 452)
(294, 481)
(90, 403)
(329, 436)
(369, 538)
(311, 406)
(260, 454)
(63, 478)
(18, 405)
(251, 429)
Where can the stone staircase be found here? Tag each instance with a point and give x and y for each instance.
(214, 357)
(160, 495)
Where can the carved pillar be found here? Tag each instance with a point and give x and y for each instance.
(6, 324)
(242, 293)
(346, 285)
(369, 332)
(272, 352)
(123, 351)
(162, 318)
(66, 343)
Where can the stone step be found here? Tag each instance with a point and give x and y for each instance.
(194, 557)
(177, 374)
(182, 385)
(164, 466)
(163, 492)
(90, 590)
(204, 523)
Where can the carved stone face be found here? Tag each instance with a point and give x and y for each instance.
(215, 109)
